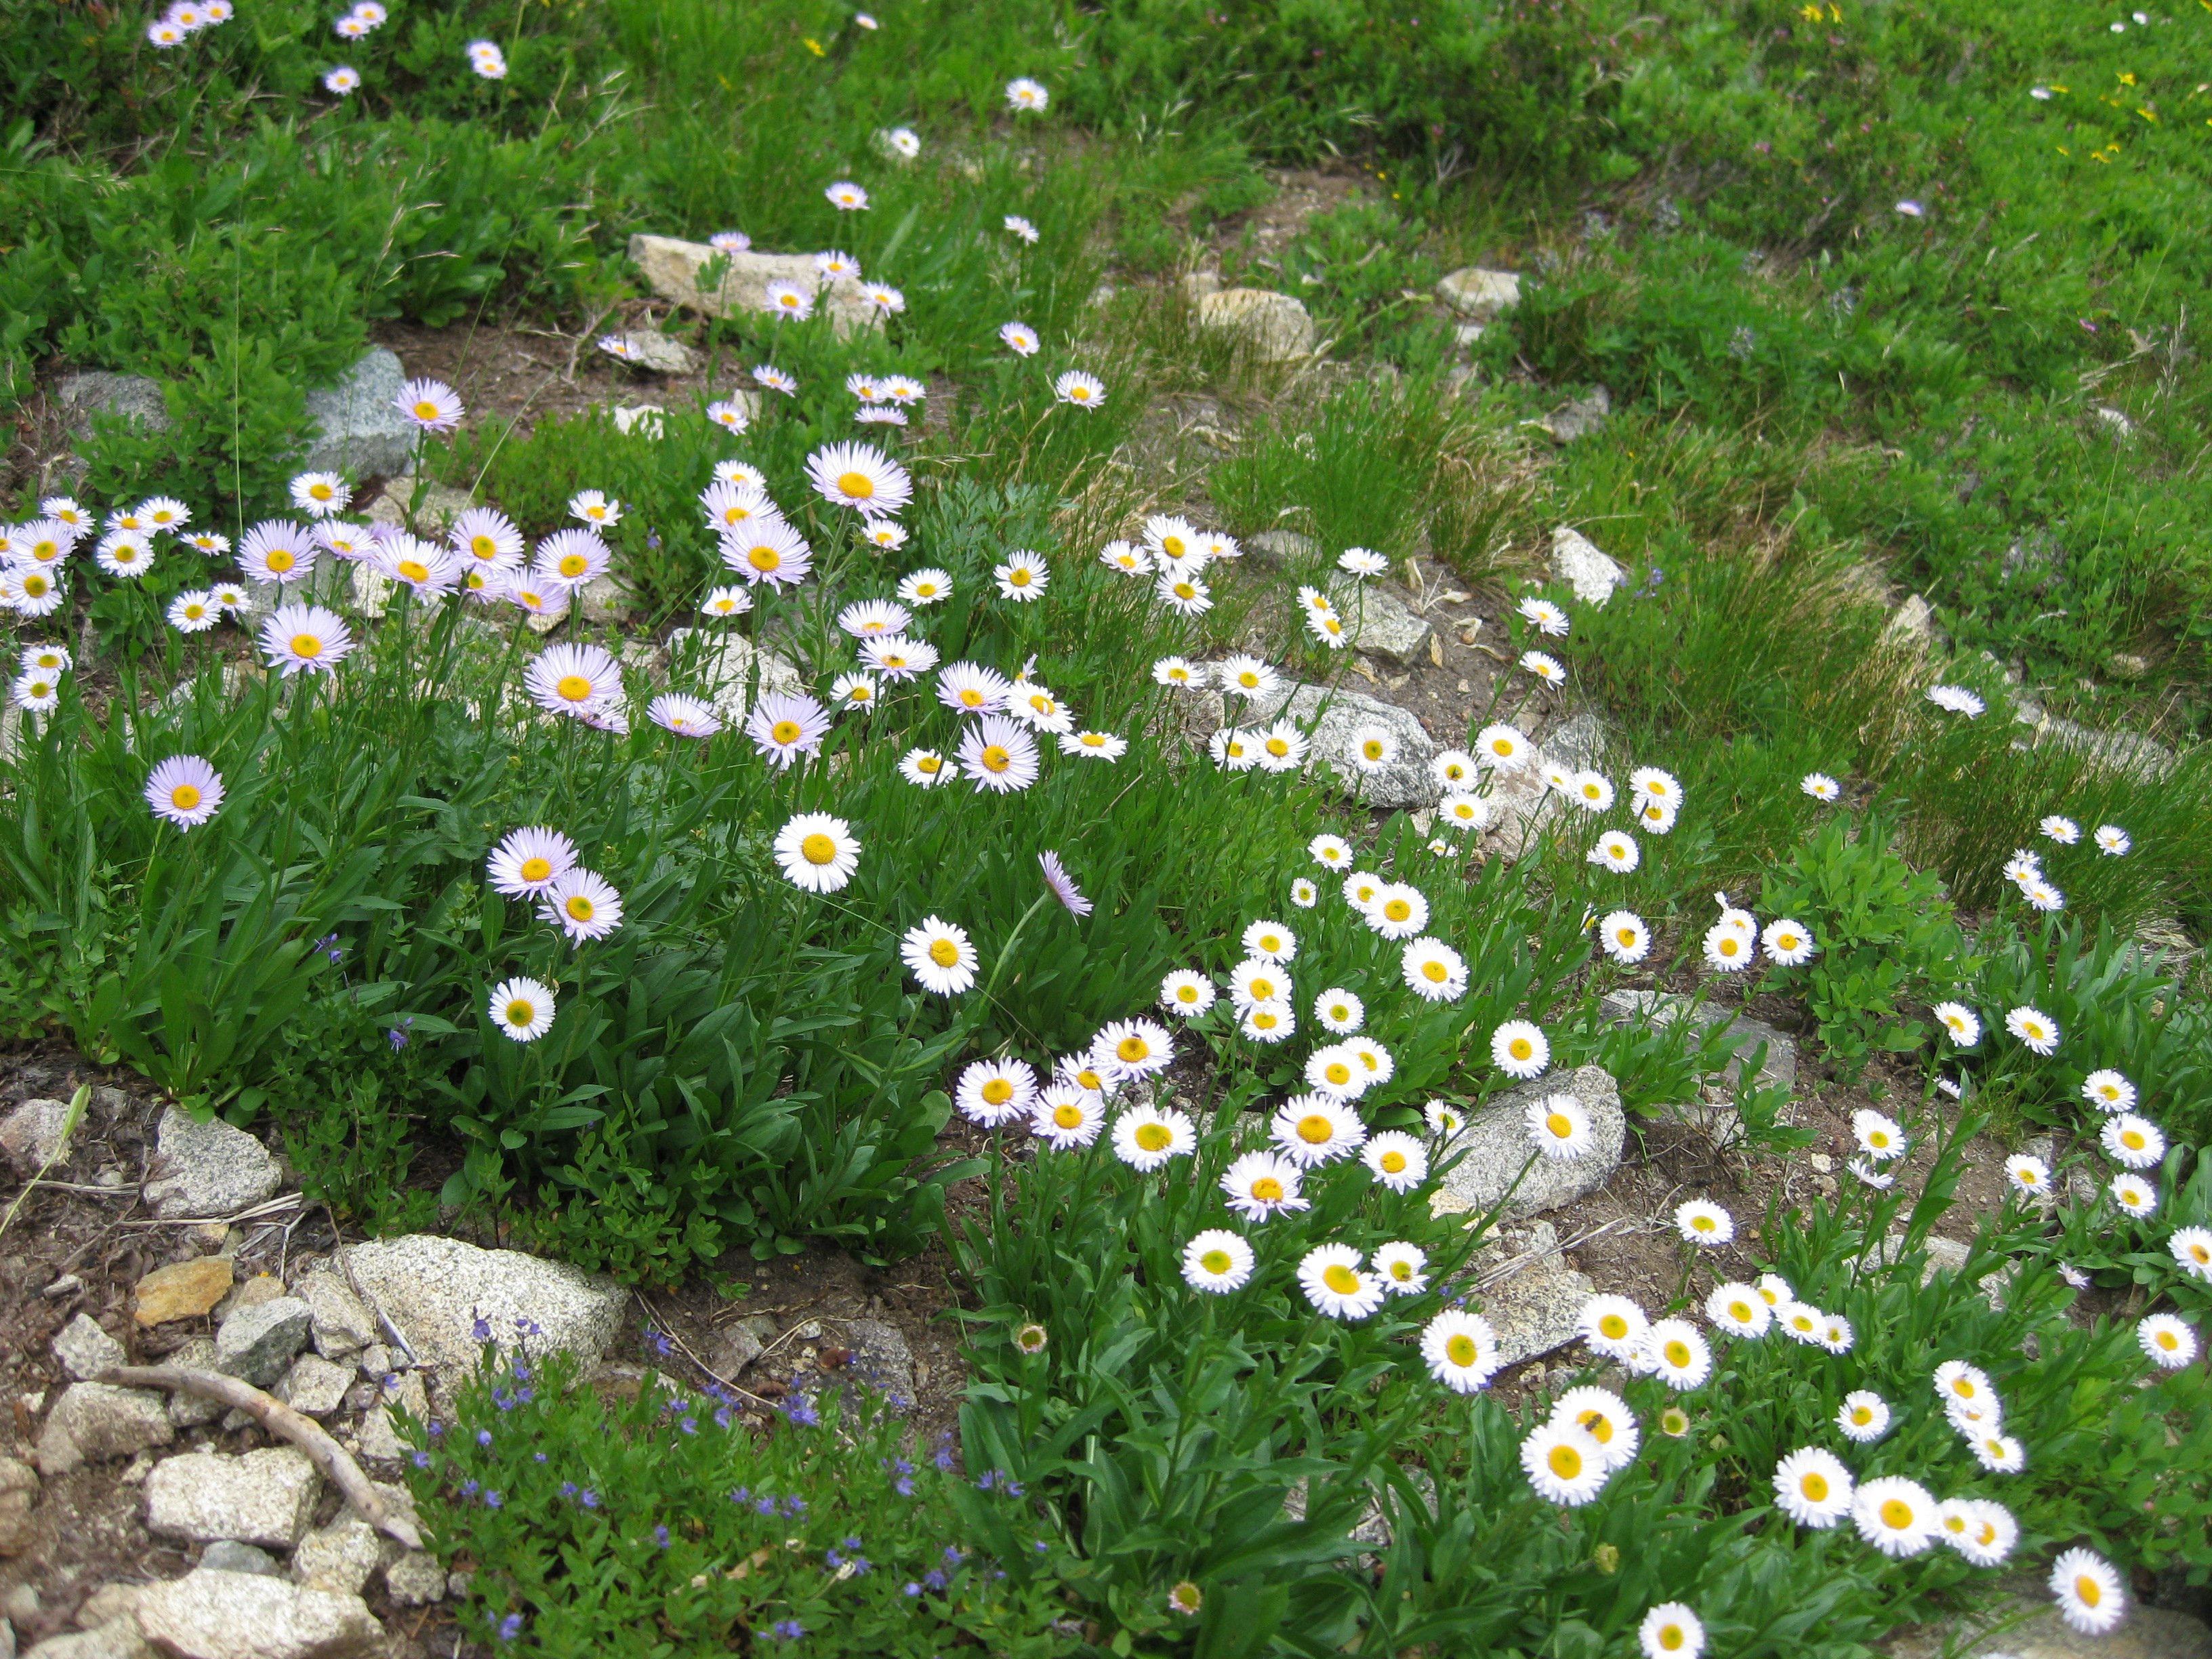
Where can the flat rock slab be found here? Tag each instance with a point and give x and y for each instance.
(1579, 418)
(96, 1421)
(315, 1386)
(1494, 1145)
(721, 667)
(1534, 1301)
(342, 1326)
(1381, 624)
(435, 1290)
(208, 1170)
(134, 397)
(265, 1498)
(671, 267)
(1586, 570)
(1521, 807)
(359, 427)
(2148, 1633)
(1335, 718)
(657, 353)
(1277, 326)
(255, 1342)
(1659, 1007)
(244, 1615)
(1479, 294)
(31, 1135)
(183, 1289)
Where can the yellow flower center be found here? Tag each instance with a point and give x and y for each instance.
(1613, 1325)
(1153, 1136)
(1565, 1462)
(1740, 1312)
(183, 798)
(1393, 1163)
(519, 1013)
(574, 565)
(1315, 1130)
(2132, 1139)
(307, 646)
(1068, 1117)
(1814, 1486)
(536, 869)
(996, 759)
(819, 848)
(1337, 1072)
(1398, 909)
(1559, 1124)
(1671, 1637)
(1897, 1515)
(858, 486)
(573, 688)
(764, 558)
(785, 731)
(998, 1091)
(1678, 1353)
(1215, 1261)
(1265, 1020)
(580, 907)
(1267, 1190)
(425, 411)
(943, 953)
(413, 569)
(1462, 1350)
(1341, 1279)
(932, 764)
(1520, 1049)
(1435, 972)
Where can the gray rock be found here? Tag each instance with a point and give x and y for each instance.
(190, 1411)
(341, 1557)
(1333, 720)
(1381, 624)
(646, 420)
(881, 1357)
(31, 1136)
(208, 1168)
(360, 430)
(1521, 807)
(86, 1351)
(256, 1344)
(1578, 741)
(243, 1615)
(265, 1498)
(1780, 1068)
(1577, 561)
(96, 392)
(315, 1386)
(737, 1348)
(1479, 294)
(433, 1290)
(1943, 1255)
(1912, 623)
(119, 1638)
(228, 1555)
(94, 1421)
(1529, 1295)
(1579, 418)
(655, 352)
(415, 1580)
(373, 1362)
(19, 1497)
(673, 268)
(603, 599)
(1276, 326)
(342, 1327)
(2127, 753)
(7, 1638)
(1496, 1145)
(1280, 548)
(2148, 1633)
(380, 1433)
(721, 666)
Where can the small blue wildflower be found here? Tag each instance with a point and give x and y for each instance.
(510, 1627)
(470, 1488)
(421, 1460)
(910, 1588)
(801, 1411)
(935, 1579)
(590, 1499)
(943, 1456)
(1043, 1548)
(538, 1457)
(660, 1536)
(397, 1037)
(494, 1501)
(690, 1426)
(795, 1506)
(903, 1485)
(766, 1506)
(860, 1567)
(834, 1556)
(851, 1543)
(483, 1436)
(568, 1489)
(789, 1628)
(722, 1417)
(741, 1494)
(482, 1329)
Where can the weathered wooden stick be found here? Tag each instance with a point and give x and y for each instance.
(280, 1419)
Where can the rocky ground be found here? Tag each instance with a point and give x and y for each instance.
(137, 1521)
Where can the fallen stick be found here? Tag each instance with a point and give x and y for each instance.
(280, 1419)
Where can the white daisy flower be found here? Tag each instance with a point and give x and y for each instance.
(1864, 1418)
(1333, 1281)
(1895, 1514)
(581, 903)
(1677, 1353)
(1704, 1222)
(1520, 1050)
(1460, 1350)
(2037, 1030)
(1613, 1326)
(1084, 391)
(1259, 1185)
(1146, 1137)
(522, 1008)
(1740, 1310)
(1397, 1160)
(1216, 1261)
(1559, 1127)
(1671, 1630)
(1564, 1463)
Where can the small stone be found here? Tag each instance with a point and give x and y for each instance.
(2127, 665)
(67, 1284)
(1779, 1069)
(18, 1498)
(240, 1615)
(208, 1168)
(31, 1135)
(191, 1411)
(1381, 623)
(380, 1434)
(1912, 623)
(1335, 718)
(1281, 548)
(457, 1585)
(1277, 327)
(1822, 1162)
(86, 1351)
(2024, 1625)
(2127, 753)
(1579, 418)
(22, 1603)
(1521, 805)
(1535, 1302)
(435, 1290)
(1481, 295)
(340, 1558)
(646, 420)
(360, 429)
(183, 1289)
(722, 665)
(374, 1362)
(228, 1555)
(265, 1498)
(733, 1350)
(415, 1580)
(109, 1603)
(881, 1357)
(315, 1386)
(673, 269)
(1497, 1146)
(256, 1343)
(603, 599)
(658, 353)
(94, 1421)
(342, 1325)
(1577, 561)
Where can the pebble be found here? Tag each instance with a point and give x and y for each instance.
(85, 1350)
(183, 1289)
